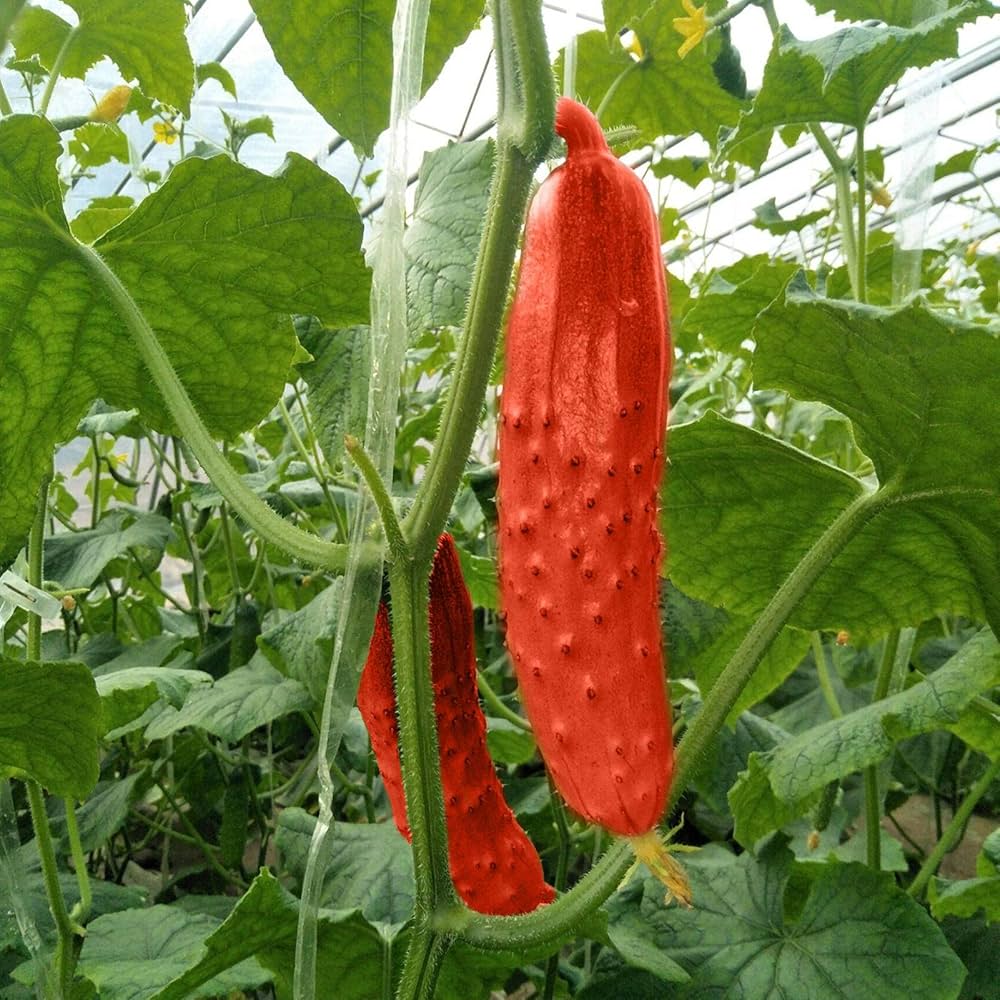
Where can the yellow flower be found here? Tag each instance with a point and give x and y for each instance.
(693, 28)
(112, 105)
(164, 132)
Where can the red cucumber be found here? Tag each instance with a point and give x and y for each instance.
(494, 865)
(582, 424)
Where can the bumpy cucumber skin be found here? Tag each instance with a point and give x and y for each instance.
(582, 424)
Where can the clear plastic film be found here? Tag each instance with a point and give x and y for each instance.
(921, 122)
(361, 585)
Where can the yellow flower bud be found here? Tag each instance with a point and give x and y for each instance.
(112, 105)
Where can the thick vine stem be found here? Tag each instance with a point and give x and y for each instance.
(418, 734)
(555, 922)
(269, 525)
(524, 133)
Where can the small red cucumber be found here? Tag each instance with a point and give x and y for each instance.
(582, 426)
(494, 865)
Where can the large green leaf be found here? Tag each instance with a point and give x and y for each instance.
(50, 716)
(855, 935)
(899, 12)
(240, 702)
(132, 954)
(839, 77)
(145, 40)
(349, 85)
(441, 243)
(371, 866)
(77, 558)
(265, 916)
(660, 94)
(923, 394)
(216, 259)
(781, 783)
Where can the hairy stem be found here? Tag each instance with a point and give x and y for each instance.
(524, 132)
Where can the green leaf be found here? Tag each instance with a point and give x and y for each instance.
(960, 163)
(855, 935)
(901, 12)
(350, 952)
(923, 394)
(966, 898)
(265, 917)
(349, 86)
(216, 259)
(371, 866)
(728, 756)
(838, 78)
(768, 217)
(480, 574)
(234, 706)
(77, 559)
(301, 646)
(95, 144)
(102, 419)
(215, 71)
(49, 720)
(103, 814)
(727, 308)
(134, 954)
(337, 378)
(739, 502)
(508, 743)
(782, 783)
(660, 94)
(977, 944)
(619, 14)
(126, 694)
(145, 40)
(442, 240)
(988, 862)
(692, 170)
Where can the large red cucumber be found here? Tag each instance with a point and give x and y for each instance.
(581, 439)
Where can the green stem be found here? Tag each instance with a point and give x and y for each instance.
(552, 923)
(842, 184)
(82, 910)
(398, 548)
(524, 134)
(613, 89)
(862, 240)
(53, 891)
(424, 959)
(952, 833)
(36, 567)
(562, 867)
(418, 735)
(55, 70)
(247, 504)
(5, 108)
(731, 11)
(39, 818)
(499, 708)
(873, 797)
(823, 674)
